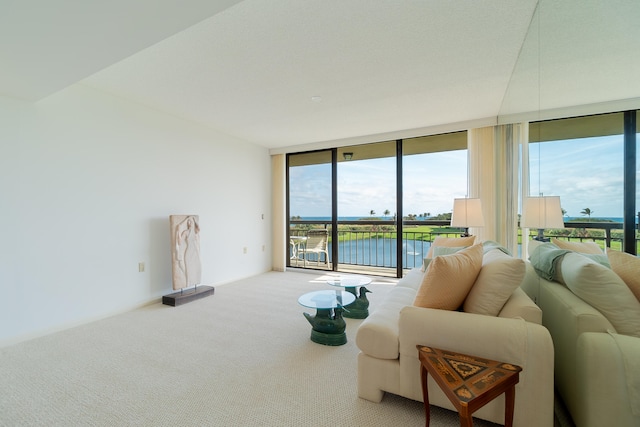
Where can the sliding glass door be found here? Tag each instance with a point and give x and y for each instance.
(310, 209)
(434, 173)
(366, 198)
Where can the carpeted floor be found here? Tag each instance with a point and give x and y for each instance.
(240, 357)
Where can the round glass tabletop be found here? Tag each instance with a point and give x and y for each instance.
(350, 281)
(326, 299)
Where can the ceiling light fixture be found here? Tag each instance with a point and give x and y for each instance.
(347, 156)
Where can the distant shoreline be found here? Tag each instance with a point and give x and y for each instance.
(382, 217)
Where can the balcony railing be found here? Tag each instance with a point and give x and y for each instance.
(373, 243)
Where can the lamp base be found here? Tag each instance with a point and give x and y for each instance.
(540, 237)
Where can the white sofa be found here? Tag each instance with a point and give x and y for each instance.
(597, 366)
(388, 358)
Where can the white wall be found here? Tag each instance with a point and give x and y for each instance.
(87, 183)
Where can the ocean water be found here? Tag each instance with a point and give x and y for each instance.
(356, 218)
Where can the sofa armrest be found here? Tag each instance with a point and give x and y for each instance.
(512, 340)
(608, 382)
(520, 305)
(495, 338)
(567, 317)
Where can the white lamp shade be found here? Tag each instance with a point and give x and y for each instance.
(542, 212)
(467, 213)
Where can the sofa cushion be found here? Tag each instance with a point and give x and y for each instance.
(440, 250)
(603, 289)
(412, 279)
(627, 267)
(451, 242)
(582, 247)
(449, 278)
(499, 276)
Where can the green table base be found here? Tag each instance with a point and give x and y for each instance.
(355, 313)
(328, 326)
(328, 339)
(359, 309)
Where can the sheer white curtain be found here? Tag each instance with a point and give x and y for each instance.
(493, 177)
(524, 179)
(279, 245)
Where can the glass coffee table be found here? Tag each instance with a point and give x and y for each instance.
(359, 309)
(327, 326)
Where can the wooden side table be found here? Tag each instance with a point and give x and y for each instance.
(469, 382)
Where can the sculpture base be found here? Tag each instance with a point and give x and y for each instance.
(183, 297)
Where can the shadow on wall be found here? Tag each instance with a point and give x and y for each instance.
(160, 282)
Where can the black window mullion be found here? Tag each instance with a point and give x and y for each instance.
(629, 220)
(399, 254)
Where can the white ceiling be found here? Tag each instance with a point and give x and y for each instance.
(252, 68)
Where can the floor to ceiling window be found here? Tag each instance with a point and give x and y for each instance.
(310, 197)
(582, 160)
(378, 217)
(434, 173)
(366, 198)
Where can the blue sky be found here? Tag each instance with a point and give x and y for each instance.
(585, 173)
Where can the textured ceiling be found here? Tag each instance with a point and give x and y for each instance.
(253, 68)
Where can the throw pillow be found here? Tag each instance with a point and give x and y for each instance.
(440, 250)
(627, 267)
(498, 278)
(533, 245)
(603, 289)
(582, 247)
(450, 242)
(449, 278)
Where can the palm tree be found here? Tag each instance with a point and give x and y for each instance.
(588, 212)
(372, 212)
(386, 212)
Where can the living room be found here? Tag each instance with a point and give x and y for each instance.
(91, 168)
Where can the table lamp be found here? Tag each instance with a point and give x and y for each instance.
(542, 212)
(467, 213)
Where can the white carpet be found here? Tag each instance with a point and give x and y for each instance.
(240, 357)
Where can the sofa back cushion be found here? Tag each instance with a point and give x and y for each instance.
(450, 242)
(449, 278)
(581, 247)
(627, 267)
(499, 276)
(603, 289)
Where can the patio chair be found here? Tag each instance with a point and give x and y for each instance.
(316, 243)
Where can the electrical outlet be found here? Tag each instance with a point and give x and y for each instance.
(262, 248)
(244, 250)
(141, 267)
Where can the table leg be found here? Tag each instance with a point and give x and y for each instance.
(425, 395)
(466, 420)
(510, 397)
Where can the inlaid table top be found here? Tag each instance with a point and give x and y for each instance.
(469, 382)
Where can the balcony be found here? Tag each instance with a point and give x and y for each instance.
(370, 247)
